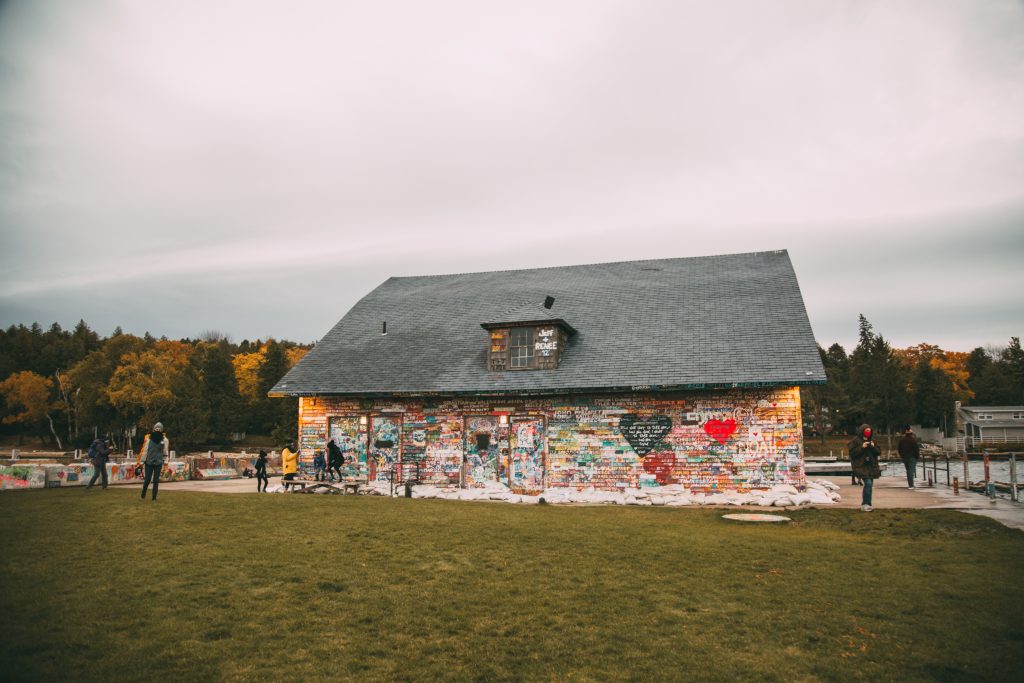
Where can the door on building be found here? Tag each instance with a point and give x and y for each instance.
(526, 466)
(481, 449)
(385, 440)
(345, 433)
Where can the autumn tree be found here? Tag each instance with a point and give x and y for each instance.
(27, 400)
(142, 387)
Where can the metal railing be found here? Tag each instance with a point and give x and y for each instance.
(953, 470)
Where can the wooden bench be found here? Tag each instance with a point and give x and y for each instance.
(310, 485)
(352, 486)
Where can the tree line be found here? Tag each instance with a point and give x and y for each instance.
(68, 386)
(892, 388)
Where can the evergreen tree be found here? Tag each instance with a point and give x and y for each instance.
(276, 413)
(219, 391)
(878, 383)
(933, 395)
(1012, 359)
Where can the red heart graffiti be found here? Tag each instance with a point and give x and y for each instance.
(662, 466)
(720, 430)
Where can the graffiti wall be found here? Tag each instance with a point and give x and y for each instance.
(710, 441)
(78, 474)
(22, 477)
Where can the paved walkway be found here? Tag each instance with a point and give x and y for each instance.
(892, 492)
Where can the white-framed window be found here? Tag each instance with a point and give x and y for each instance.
(520, 348)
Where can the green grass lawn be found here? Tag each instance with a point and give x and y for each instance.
(100, 586)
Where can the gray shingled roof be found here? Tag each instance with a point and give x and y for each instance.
(524, 314)
(671, 323)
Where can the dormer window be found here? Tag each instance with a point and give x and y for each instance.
(520, 348)
(529, 337)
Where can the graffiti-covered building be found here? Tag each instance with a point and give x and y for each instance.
(619, 375)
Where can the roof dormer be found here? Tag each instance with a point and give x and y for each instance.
(528, 337)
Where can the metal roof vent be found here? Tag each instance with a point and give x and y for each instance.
(549, 301)
(384, 329)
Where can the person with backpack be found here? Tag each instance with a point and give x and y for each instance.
(99, 454)
(155, 448)
(261, 477)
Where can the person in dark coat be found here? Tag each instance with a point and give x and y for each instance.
(909, 449)
(864, 454)
(335, 459)
(261, 472)
(99, 455)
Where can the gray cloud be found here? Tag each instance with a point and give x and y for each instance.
(258, 168)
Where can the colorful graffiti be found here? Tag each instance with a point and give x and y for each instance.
(443, 463)
(526, 462)
(385, 446)
(22, 477)
(712, 441)
(346, 434)
(481, 449)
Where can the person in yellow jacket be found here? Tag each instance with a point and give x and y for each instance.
(289, 463)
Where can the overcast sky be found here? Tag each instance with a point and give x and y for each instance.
(257, 167)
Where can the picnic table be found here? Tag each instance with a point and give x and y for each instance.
(310, 485)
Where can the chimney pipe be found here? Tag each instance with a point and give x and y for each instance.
(384, 329)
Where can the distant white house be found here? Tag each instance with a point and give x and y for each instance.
(990, 424)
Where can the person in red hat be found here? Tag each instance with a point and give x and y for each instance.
(864, 454)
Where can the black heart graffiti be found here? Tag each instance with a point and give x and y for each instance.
(644, 434)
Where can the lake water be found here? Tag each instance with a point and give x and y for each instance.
(999, 470)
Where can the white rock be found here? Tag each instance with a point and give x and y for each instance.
(785, 488)
(782, 501)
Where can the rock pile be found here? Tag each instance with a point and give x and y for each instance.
(817, 492)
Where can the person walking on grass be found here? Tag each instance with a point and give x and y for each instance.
(909, 449)
(154, 449)
(261, 472)
(864, 454)
(289, 463)
(99, 454)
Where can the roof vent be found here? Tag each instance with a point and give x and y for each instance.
(549, 301)
(384, 329)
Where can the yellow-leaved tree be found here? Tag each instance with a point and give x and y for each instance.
(27, 395)
(142, 388)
